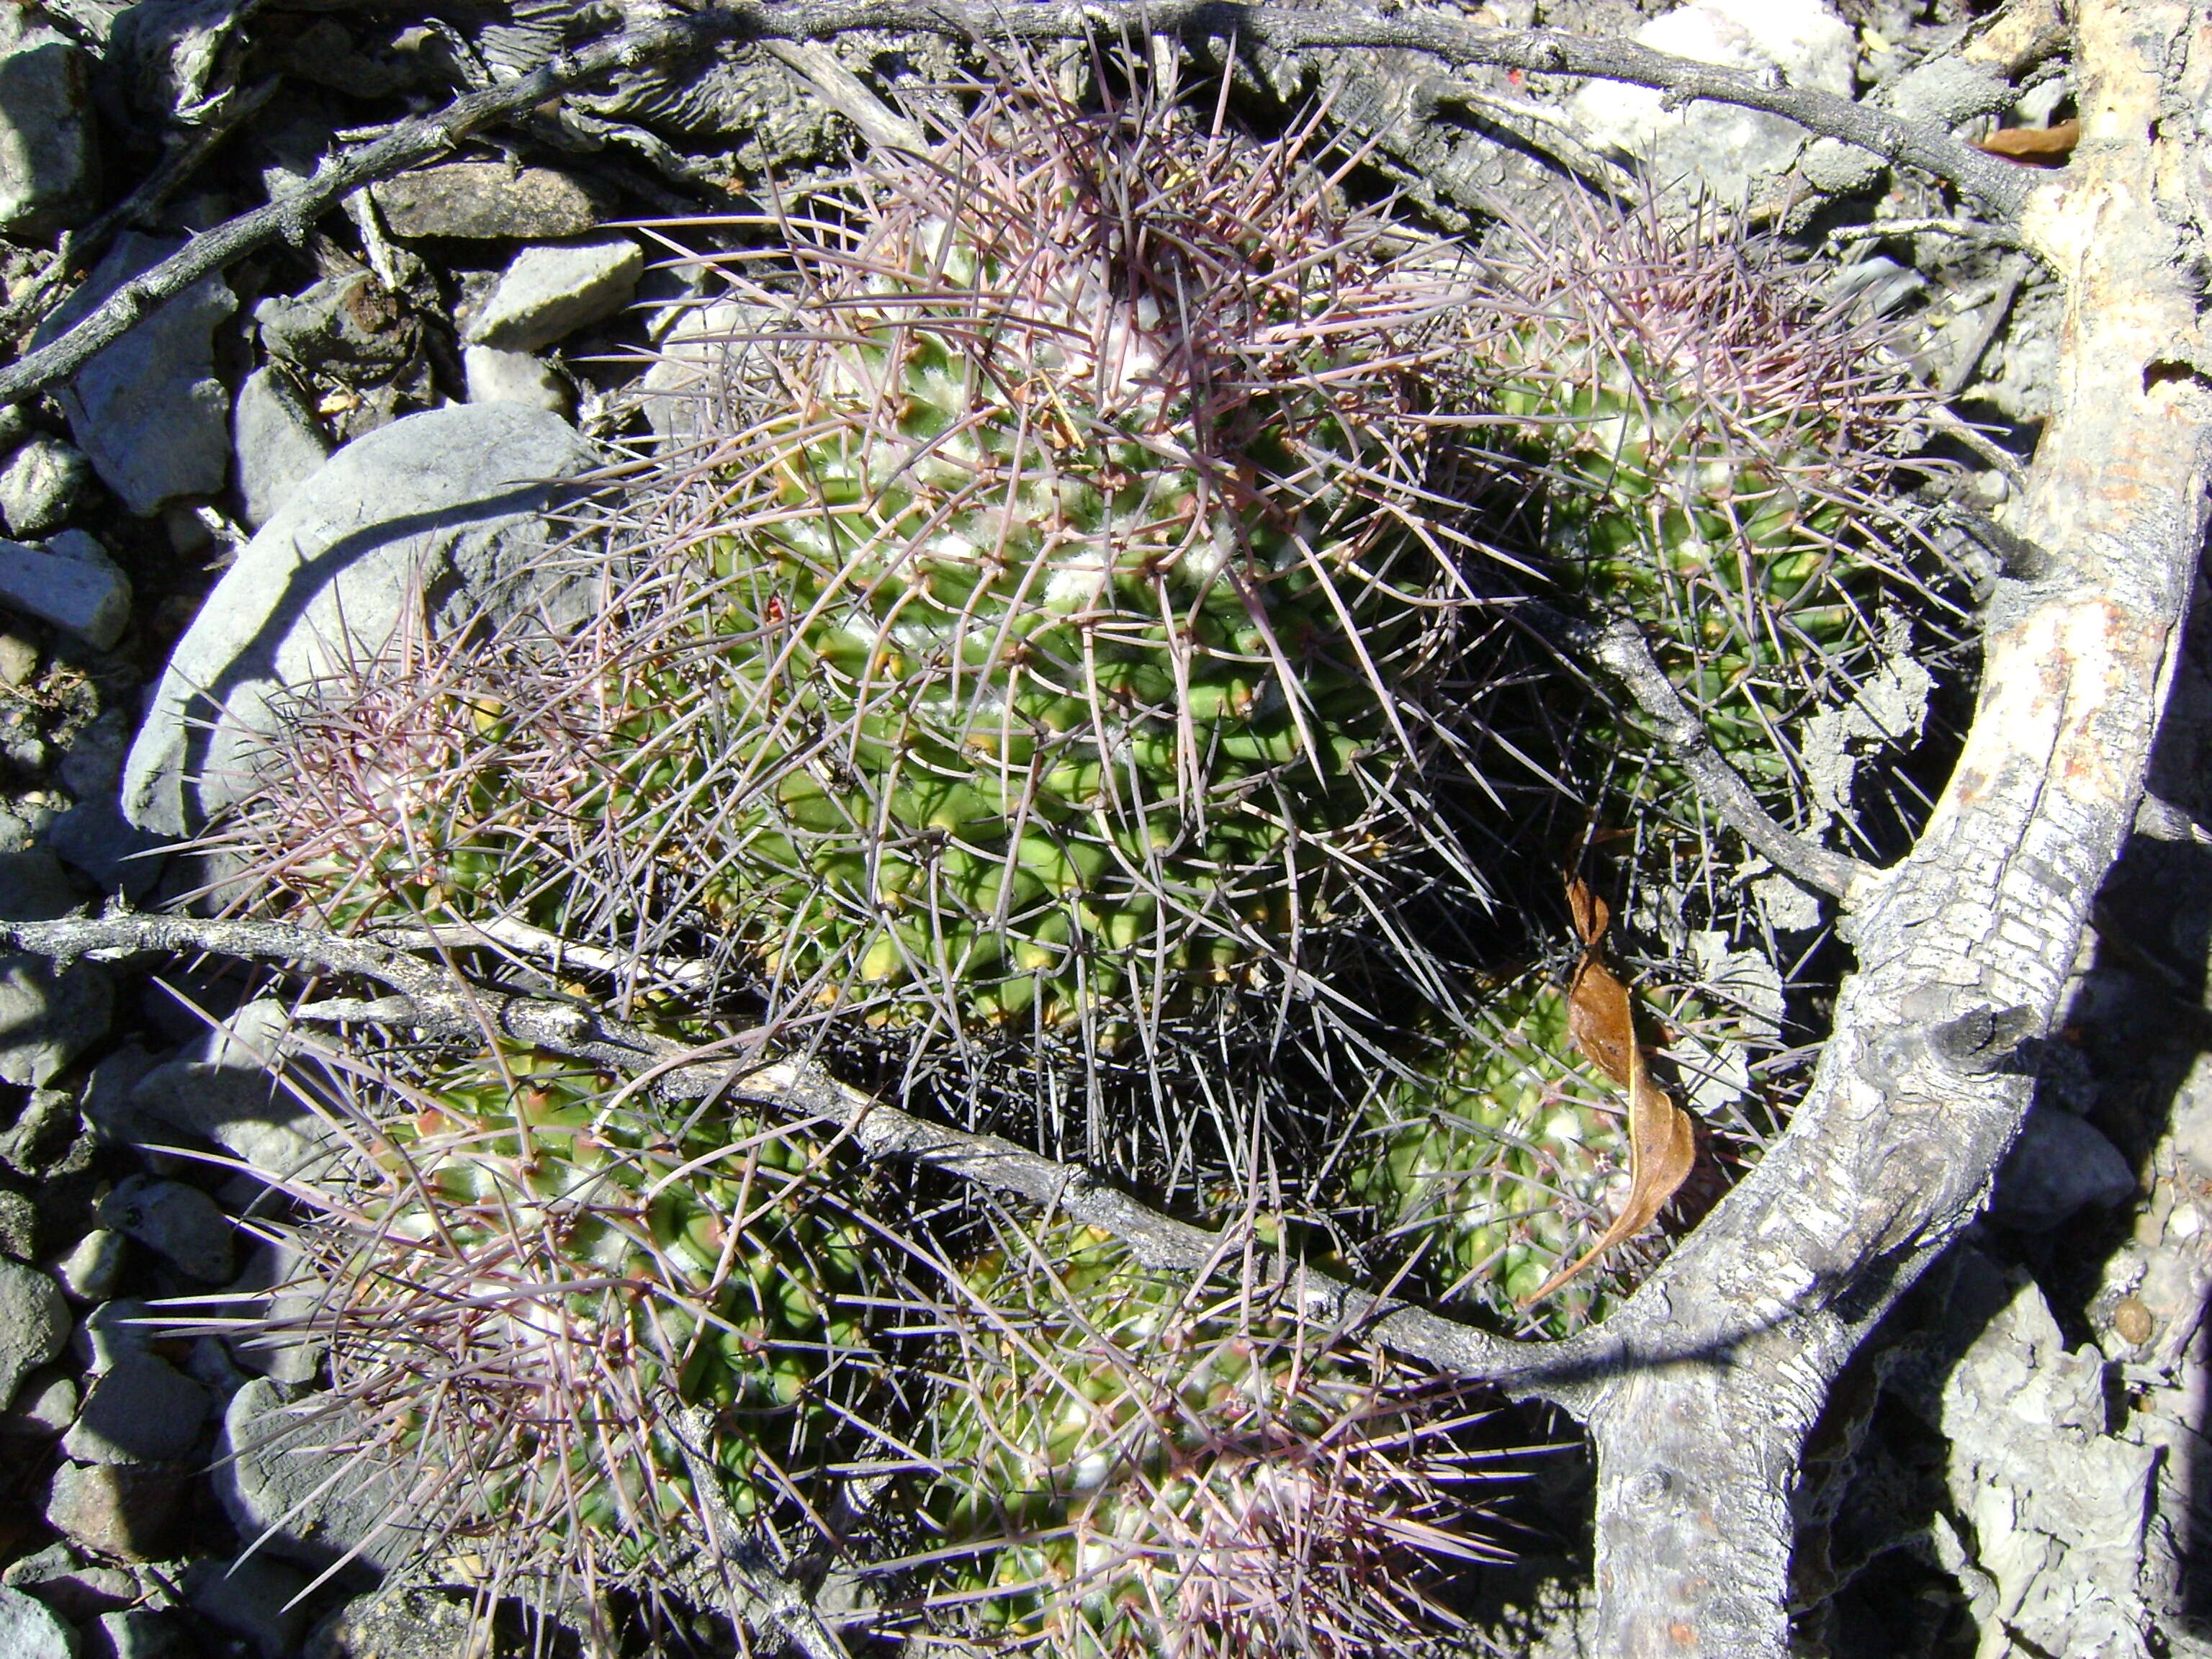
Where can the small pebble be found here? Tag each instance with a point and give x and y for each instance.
(90, 1273)
(40, 485)
(19, 659)
(2133, 1322)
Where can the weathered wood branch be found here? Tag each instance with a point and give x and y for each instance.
(1963, 948)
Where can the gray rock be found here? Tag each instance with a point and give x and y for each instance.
(2058, 1166)
(127, 1511)
(513, 377)
(19, 1226)
(1726, 151)
(443, 508)
(172, 59)
(117, 856)
(546, 294)
(396, 1624)
(90, 1271)
(276, 1280)
(228, 1093)
(47, 1019)
(253, 1598)
(276, 1477)
(349, 328)
(47, 1137)
(72, 1589)
(148, 409)
(31, 1630)
(177, 1222)
(138, 1633)
(112, 1332)
(40, 486)
(34, 1323)
(107, 1107)
(94, 763)
(46, 1406)
(276, 443)
(48, 156)
(70, 582)
(140, 1410)
(34, 887)
(703, 355)
(483, 199)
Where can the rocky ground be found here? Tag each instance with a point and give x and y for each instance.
(2013, 1466)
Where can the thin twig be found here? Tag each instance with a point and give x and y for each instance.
(2001, 187)
(1618, 648)
(443, 1002)
(79, 247)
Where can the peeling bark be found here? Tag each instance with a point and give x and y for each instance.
(1722, 1362)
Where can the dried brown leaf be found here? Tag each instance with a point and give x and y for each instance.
(1661, 1140)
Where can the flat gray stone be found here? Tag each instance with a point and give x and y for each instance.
(274, 1477)
(485, 200)
(226, 1091)
(40, 486)
(29, 1629)
(274, 442)
(45, 1405)
(49, 155)
(179, 1223)
(547, 292)
(47, 1019)
(140, 1410)
(443, 508)
(513, 377)
(2058, 1167)
(112, 1332)
(139, 1633)
(70, 582)
(149, 411)
(127, 1511)
(34, 1323)
(275, 1279)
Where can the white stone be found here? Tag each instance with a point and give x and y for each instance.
(1719, 147)
(70, 582)
(513, 377)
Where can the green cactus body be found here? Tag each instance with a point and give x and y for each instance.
(1139, 1470)
(1046, 644)
(1060, 629)
(1714, 443)
(538, 1272)
(1499, 1163)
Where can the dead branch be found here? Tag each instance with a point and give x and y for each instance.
(436, 998)
(2001, 187)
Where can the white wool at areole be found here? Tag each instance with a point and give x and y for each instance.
(1725, 149)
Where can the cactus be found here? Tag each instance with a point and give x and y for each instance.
(1135, 1466)
(527, 1276)
(1502, 1154)
(1716, 449)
